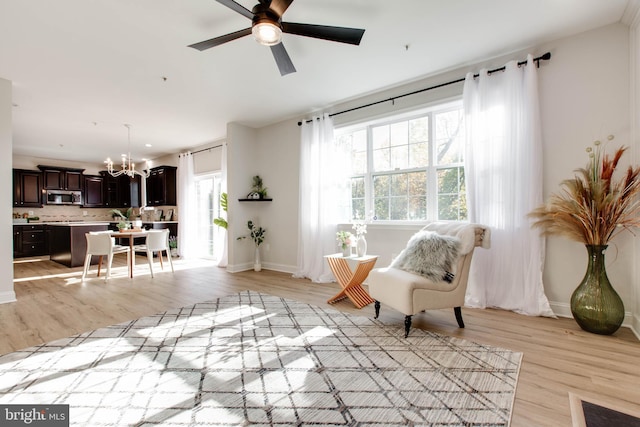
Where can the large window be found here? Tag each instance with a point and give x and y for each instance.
(408, 168)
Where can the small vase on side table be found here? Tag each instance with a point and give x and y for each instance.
(361, 246)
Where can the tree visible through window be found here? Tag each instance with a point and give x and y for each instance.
(408, 168)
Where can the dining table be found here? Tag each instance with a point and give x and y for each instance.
(131, 235)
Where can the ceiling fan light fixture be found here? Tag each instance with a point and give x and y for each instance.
(267, 33)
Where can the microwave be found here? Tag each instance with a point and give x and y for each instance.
(63, 197)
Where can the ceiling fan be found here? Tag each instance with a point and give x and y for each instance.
(267, 28)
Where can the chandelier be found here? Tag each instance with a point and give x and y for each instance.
(128, 167)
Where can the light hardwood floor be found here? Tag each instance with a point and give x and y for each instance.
(559, 357)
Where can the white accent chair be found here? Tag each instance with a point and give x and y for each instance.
(157, 241)
(411, 293)
(101, 244)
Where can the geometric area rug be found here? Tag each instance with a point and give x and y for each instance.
(257, 359)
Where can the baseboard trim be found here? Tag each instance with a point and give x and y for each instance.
(7, 297)
(562, 309)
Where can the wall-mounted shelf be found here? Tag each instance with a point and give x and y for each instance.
(255, 200)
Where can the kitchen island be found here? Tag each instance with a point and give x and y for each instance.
(68, 242)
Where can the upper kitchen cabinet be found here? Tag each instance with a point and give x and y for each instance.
(57, 178)
(122, 191)
(27, 189)
(93, 191)
(161, 186)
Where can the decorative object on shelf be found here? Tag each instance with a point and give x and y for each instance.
(169, 215)
(128, 167)
(592, 208)
(257, 235)
(360, 229)
(259, 191)
(220, 221)
(173, 246)
(345, 241)
(158, 215)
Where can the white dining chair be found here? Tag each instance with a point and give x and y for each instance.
(101, 244)
(157, 241)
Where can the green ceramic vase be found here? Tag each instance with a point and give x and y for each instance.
(595, 305)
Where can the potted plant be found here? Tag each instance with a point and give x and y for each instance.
(592, 208)
(344, 241)
(258, 187)
(173, 245)
(220, 221)
(257, 235)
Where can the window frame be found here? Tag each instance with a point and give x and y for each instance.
(431, 169)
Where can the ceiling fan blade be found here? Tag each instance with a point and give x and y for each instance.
(216, 41)
(237, 7)
(280, 6)
(336, 34)
(282, 59)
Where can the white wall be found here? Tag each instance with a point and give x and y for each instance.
(584, 92)
(6, 195)
(635, 132)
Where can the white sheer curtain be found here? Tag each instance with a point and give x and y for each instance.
(187, 215)
(323, 183)
(503, 170)
(222, 241)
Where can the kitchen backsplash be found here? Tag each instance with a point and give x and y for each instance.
(75, 213)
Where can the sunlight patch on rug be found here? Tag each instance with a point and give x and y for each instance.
(257, 359)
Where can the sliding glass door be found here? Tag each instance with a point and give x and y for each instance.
(208, 208)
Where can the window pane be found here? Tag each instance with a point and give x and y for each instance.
(419, 130)
(398, 185)
(418, 155)
(381, 160)
(451, 194)
(448, 180)
(380, 135)
(357, 188)
(399, 133)
(357, 208)
(449, 137)
(399, 208)
(381, 208)
(399, 157)
(417, 184)
(381, 186)
(417, 208)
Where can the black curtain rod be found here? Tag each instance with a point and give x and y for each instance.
(204, 149)
(544, 57)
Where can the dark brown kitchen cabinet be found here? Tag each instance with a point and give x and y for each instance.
(57, 178)
(93, 191)
(27, 189)
(122, 191)
(30, 240)
(161, 186)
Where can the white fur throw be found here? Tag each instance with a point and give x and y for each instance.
(429, 254)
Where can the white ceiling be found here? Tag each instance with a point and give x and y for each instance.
(81, 69)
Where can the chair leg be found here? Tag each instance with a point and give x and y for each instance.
(109, 260)
(407, 325)
(376, 305)
(87, 262)
(160, 257)
(458, 313)
(99, 264)
(150, 261)
(170, 260)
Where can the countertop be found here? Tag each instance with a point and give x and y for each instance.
(81, 223)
